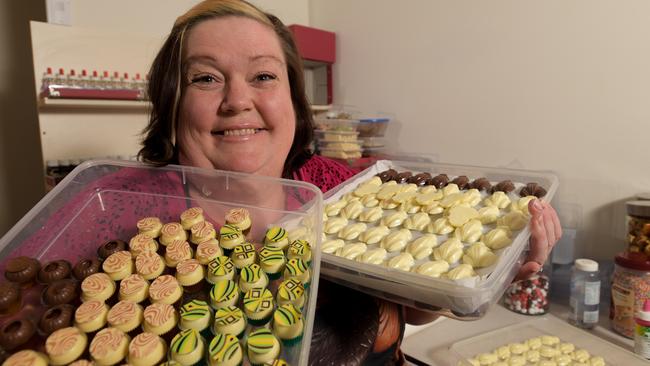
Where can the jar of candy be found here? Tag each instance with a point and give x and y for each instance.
(529, 296)
(630, 288)
(638, 226)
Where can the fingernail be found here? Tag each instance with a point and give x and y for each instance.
(538, 205)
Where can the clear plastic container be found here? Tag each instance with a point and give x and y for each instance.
(463, 351)
(332, 124)
(332, 136)
(529, 296)
(369, 127)
(373, 142)
(464, 300)
(638, 226)
(340, 145)
(98, 200)
(340, 154)
(630, 288)
(374, 151)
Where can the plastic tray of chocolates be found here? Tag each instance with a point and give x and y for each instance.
(198, 267)
(438, 237)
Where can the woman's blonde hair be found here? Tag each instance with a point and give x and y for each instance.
(166, 87)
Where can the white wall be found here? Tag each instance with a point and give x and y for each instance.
(546, 85)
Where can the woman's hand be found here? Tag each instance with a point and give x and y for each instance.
(545, 232)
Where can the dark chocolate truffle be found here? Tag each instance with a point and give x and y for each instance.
(9, 297)
(419, 179)
(387, 175)
(532, 189)
(61, 292)
(22, 270)
(482, 184)
(53, 271)
(110, 247)
(461, 181)
(55, 318)
(85, 268)
(16, 333)
(439, 181)
(505, 186)
(403, 177)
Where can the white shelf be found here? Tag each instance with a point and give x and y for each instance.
(57, 103)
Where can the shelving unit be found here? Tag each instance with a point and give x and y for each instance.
(57, 103)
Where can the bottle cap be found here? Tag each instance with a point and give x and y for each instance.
(644, 314)
(586, 265)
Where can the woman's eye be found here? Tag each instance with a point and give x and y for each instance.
(265, 77)
(202, 79)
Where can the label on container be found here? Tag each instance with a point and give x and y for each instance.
(642, 341)
(592, 293)
(590, 317)
(623, 314)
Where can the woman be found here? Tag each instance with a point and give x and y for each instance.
(228, 93)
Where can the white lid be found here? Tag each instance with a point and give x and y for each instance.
(644, 312)
(586, 265)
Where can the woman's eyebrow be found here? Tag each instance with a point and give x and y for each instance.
(266, 57)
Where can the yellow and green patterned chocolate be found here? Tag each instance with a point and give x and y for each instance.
(296, 267)
(287, 314)
(271, 256)
(228, 315)
(221, 266)
(185, 341)
(277, 362)
(261, 341)
(251, 273)
(291, 289)
(224, 347)
(194, 310)
(299, 248)
(275, 234)
(244, 251)
(258, 299)
(224, 290)
(230, 232)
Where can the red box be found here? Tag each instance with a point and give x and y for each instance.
(314, 44)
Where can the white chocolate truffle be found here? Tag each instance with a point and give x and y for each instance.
(402, 261)
(470, 232)
(498, 199)
(488, 214)
(517, 361)
(479, 256)
(497, 238)
(548, 351)
(449, 189)
(334, 224)
(420, 248)
(581, 355)
(439, 226)
(550, 340)
(370, 200)
(334, 208)
(566, 348)
(388, 204)
(427, 198)
(371, 215)
(433, 208)
(534, 343)
(404, 196)
(351, 251)
(331, 246)
(503, 352)
(395, 219)
(299, 233)
(373, 256)
(487, 358)
(518, 348)
(521, 205)
(449, 251)
(374, 235)
(472, 197)
(352, 231)
(352, 210)
(387, 191)
(396, 240)
(374, 181)
(451, 200)
(532, 355)
(562, 360)
(459, 215)
(366, 189)
(432, 268)
(428, 189)
(417, 222)
(409, 206)
(460, 272)
(597, 361)
(515, 220)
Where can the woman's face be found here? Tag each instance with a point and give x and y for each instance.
(236, 112)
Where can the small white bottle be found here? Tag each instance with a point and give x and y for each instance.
(48, 78)
(73, 79)
(585, 293)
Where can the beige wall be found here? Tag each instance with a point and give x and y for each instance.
(548, 85)
(21, 184)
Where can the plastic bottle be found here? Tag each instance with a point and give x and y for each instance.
(48, 78)
(642, 331)
(585, 293)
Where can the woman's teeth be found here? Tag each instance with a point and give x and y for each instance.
(241, 132)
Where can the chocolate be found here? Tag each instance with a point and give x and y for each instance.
(85, 268)
(10, 295)
(482, 184)
(53, 271)
(110, 247)
(61, 292)
(387, 175)
(438, 181)
(532, 189)
(403, 177)
(505, 186)
(461, 181)
(22, 270)
(55, 318)
(419, 179)
(16, 333)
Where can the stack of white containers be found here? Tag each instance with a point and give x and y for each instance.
(338, 138)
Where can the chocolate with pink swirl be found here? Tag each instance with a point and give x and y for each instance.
(89, 311)
(148, 224)
(172, 229)
(163, 287)
(207, 250)
(237, 215)
(122, 313)
(178, 250)
(143, 344)
(203, 229)
(142, 243)
(188, 266)
(62, 340)
(148, 262)
(106, 341)
(192, 213)
(117, 261)
(158, 314)
(95, 283)
(132, 285)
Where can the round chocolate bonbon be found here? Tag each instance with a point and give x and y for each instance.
(85, 268)
(482, 184)
(505, 186)
(53, 271)
(57, 317)
(16, 333)
(439, 181)
(110, 247)
(532, 189)
(61, 292)
(22, 270)
(461, 181)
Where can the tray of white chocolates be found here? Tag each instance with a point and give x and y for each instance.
(541, 341)
(431, 236)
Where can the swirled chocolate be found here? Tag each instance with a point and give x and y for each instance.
(461, 181)
(16, 333)
(438, 181)
(532, 189)
(85, 268)
(110, 247)
(61, 292)
(505, 186)
(22, 270)
(55, 318)
(53, 271)
(387, 175)
(482, 184)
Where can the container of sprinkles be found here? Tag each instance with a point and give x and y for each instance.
(630, 288)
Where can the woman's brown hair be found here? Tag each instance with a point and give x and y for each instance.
(165, 86)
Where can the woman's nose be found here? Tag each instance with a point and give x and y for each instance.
(237, 97)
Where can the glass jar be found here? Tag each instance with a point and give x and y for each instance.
(529, 296)
(630, 288)
(638, 226)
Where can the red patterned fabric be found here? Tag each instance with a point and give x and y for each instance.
(324, 173)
